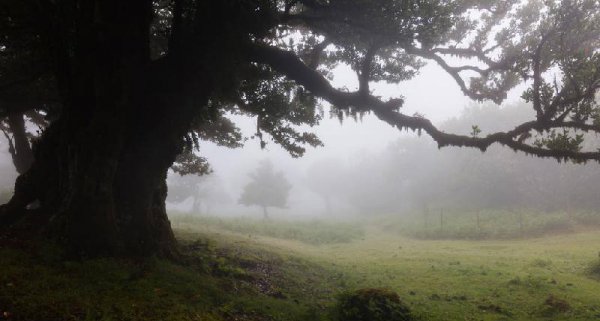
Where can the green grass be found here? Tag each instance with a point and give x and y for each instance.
(215, 281)
(34, 289)
(236, 276)
(492, 224)
(464, 279)
(312, 232)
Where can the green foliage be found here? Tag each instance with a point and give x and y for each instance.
(565, 141)
(314, 232)
(475, 131)
(370, 305)
(188, 163)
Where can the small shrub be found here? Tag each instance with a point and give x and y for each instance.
(557, 305)
(371, 305)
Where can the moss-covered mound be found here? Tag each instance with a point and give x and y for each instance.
(371, 304)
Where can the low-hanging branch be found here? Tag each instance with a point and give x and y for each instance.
(288, 63)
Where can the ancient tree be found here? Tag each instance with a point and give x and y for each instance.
(127, 86)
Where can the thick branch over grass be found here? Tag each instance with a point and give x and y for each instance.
(289, 64)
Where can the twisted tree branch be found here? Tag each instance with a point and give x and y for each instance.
(289, 64)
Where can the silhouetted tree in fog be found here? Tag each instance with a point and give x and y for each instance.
(267, 188)
(326, 178)
(470, 180)
(183, 187)
(205, 191)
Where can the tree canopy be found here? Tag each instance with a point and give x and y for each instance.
(267, 188)
(127, 87)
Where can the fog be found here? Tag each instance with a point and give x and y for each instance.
(344, 142)
(7, 170)
(367, 168)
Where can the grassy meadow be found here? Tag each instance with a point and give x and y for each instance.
(545, 278)
(488, 224)
(244, 269)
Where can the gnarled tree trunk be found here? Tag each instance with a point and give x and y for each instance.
(99, 171)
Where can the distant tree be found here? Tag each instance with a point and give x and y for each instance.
(211, 192)
(470, 180)
(16, 125)
(266, 189)
(368, 184)
(205, 191)
(182, 187)
(325, 178)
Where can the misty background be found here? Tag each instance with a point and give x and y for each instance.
(366, 167)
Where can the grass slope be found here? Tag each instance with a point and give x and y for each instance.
(241, 276)
(312, 232)
(485, 280)
(221, 280)
(524, 279)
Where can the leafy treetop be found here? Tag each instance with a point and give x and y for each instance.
(267, 188)
(276, 56)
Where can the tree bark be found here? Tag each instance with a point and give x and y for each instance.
(265, 213)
